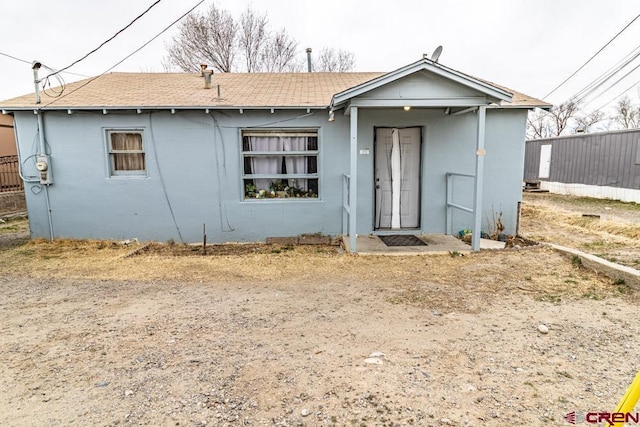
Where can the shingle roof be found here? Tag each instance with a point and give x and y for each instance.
(520, 100)
(184, 90)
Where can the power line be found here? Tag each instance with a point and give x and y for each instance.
(609, 73)
(106, 41)
(618, 81)
(73, 74)
(606, 76)
(129, 55)
(27, 62)
(13, 57)
(617, 96)
(596, 54)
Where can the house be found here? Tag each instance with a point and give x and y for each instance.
(422, 149)
(603, 165)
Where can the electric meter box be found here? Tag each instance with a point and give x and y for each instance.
(43, 165)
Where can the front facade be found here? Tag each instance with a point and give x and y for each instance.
(261, 156)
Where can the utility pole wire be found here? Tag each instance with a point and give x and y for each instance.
(604, 77)
(617, 96)
(614, 83)
(27, 62)
(596, 54)
(106, 41)
(129, 55)
(13, 57)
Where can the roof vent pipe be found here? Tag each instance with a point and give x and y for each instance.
(309, 59)
(35, 66)
(207, 78)
(203, 67)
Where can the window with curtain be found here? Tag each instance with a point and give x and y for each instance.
(280, 164)
(126, 153)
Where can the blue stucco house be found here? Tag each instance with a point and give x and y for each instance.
(422, 149)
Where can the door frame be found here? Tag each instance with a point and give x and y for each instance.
(382, 231)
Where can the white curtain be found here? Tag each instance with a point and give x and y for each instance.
(296, 164)
(132, 142)
(396, 178)
(265, 165)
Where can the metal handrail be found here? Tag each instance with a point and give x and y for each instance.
(346, 209)
(450, 205)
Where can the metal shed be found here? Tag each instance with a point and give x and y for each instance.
(603, 165)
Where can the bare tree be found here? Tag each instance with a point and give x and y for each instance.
(547, 124)
(626, 114)
(561, 115)
(279, 54)
(216, 39)
(253, 38)
(334, 60)
(538, 125)
(205, 39)
(167, 65)
(586, 122)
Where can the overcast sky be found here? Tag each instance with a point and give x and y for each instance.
(530, 46)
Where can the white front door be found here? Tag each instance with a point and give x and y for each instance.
(397, 178)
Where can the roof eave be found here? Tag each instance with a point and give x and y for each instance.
(545, 107)
(161, 107)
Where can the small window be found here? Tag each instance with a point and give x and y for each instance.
(126, 153)
(280, 164)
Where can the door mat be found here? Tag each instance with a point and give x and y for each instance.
(402, 240)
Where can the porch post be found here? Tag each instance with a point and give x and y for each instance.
(353, 182)
(479, 180)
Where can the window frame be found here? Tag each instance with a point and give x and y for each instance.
(280, 132)
(112, 172)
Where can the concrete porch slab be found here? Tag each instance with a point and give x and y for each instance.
(437, 244)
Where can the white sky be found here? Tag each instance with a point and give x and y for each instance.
(527, 45)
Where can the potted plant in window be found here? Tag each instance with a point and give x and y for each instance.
(250, 190)
(279, 188)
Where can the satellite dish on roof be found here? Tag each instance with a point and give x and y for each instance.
(436, 54)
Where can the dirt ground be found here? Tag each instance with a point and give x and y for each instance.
(605, 228)
(102, 333)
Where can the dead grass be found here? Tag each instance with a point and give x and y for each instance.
(541, 273)
(614, 236)
(14, 226)
(416, 280)
(580, 223)
(442, 281)
(174, 249)
(578, 202)
(110, 260)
